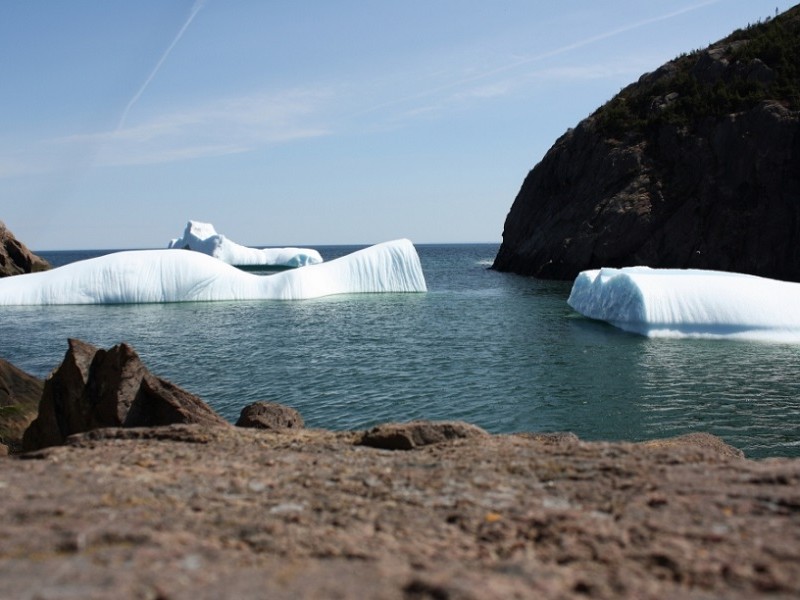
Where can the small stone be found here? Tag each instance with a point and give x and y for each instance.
(270, 415)
(407, 436)
(286, 508)
(698, 440)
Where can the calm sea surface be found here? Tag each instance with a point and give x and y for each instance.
(501, 351)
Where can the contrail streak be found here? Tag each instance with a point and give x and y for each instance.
(530, 59)
(195, 9)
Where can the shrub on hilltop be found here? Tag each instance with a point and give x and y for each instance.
(757, 63)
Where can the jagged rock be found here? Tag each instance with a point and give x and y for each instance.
(407, 436)
(661, 176)
(270, 415)
(19, 398)
(15, 258)
(94, 388)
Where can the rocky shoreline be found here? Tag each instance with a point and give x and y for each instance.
(15, 258)
(188, 511)
(408, 511)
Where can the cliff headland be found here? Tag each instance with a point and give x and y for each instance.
(696, 165)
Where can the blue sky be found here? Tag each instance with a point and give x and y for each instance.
(315, 122)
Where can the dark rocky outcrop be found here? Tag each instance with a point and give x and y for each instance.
(95, 388)
(15, 258)
(270, 415)
(416, 434)
(19, 399)
(696, 165)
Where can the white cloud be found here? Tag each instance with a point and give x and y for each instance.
(227, 126)
(217, 128)
(509, 76)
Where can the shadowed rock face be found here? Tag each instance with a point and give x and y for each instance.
(15, 258)
(692, 190)
(94, 388)
(19, 398)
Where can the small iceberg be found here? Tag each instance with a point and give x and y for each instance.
(202, 237)
(690, 303)
(147, 276)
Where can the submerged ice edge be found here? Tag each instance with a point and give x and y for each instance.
(158, 276)
(690, 303)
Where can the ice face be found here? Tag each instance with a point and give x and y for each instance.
(690, 303)
(145, 276)
(202, 237)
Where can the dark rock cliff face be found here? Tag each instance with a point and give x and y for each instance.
(707, 176)
(15, 258)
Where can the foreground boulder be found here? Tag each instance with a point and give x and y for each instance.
(94, 388)
(15, 258)
(19, 398)
(270, 415)
(696, 165)
(417, 434)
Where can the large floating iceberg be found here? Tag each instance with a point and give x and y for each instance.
(143, 276)
(690, 303)
(202, 237)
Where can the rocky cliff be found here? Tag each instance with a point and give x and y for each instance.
(15, 258)
(695, 165)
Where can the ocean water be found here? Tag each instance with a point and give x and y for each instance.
(501, 351)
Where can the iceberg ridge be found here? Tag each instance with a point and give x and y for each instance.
(147, 276)
(690, 303)
(202, 237)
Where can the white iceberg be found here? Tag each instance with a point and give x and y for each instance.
(690, 303)
(143, 276)
(202, 237)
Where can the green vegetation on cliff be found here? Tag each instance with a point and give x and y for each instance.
(760, 62)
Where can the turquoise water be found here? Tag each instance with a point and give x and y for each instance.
(498, 350)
